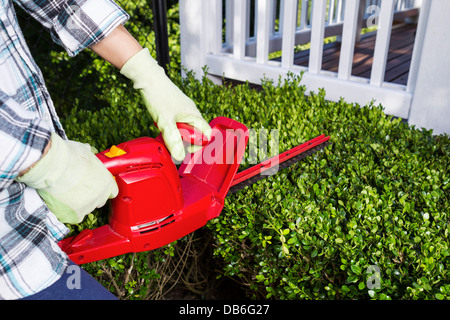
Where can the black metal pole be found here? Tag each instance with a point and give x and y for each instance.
(161, 36)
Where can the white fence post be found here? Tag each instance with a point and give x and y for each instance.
(289, 26)
(348, 39)
(215, 26)
(229, 25)
(317, 35)
(192, 40)
(240, 27)
(418, 45)
(382, 42)
(431, 101)
(304, 14)
(263, 30)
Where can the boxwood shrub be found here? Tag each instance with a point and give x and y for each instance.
(365, 218)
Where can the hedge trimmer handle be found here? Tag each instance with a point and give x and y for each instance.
(191, 135)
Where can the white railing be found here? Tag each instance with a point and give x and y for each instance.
(272, 17)
(234, 39)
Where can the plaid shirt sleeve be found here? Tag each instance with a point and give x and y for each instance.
(76, 24)
(30, 258)
(23, 137)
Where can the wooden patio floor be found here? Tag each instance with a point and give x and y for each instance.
(398, 62)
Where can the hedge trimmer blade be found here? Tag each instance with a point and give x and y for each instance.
(272, 165)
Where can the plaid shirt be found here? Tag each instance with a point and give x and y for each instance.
(30, 259)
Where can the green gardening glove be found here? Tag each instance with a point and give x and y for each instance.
(165, 102)
(71, 180)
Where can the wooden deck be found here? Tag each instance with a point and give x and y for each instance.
(398, 62)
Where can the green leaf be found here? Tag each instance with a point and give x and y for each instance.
(356, 269)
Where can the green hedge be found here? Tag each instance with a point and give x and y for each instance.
(365, 218)
(376, 200)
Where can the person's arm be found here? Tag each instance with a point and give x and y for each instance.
(118, 47)
(76, 24)
(24, 138)
(165, 102)
(47, 147)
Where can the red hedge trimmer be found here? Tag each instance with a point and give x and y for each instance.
(158, 203)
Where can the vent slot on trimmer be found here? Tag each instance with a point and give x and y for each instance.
(155, 225)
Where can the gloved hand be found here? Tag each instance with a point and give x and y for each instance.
(71, 180)
(165, 102)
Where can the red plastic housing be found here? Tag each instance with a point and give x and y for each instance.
(158, 204)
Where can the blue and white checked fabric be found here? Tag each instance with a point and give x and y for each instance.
(30, 259)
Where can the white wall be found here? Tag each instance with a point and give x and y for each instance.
(431, 101)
